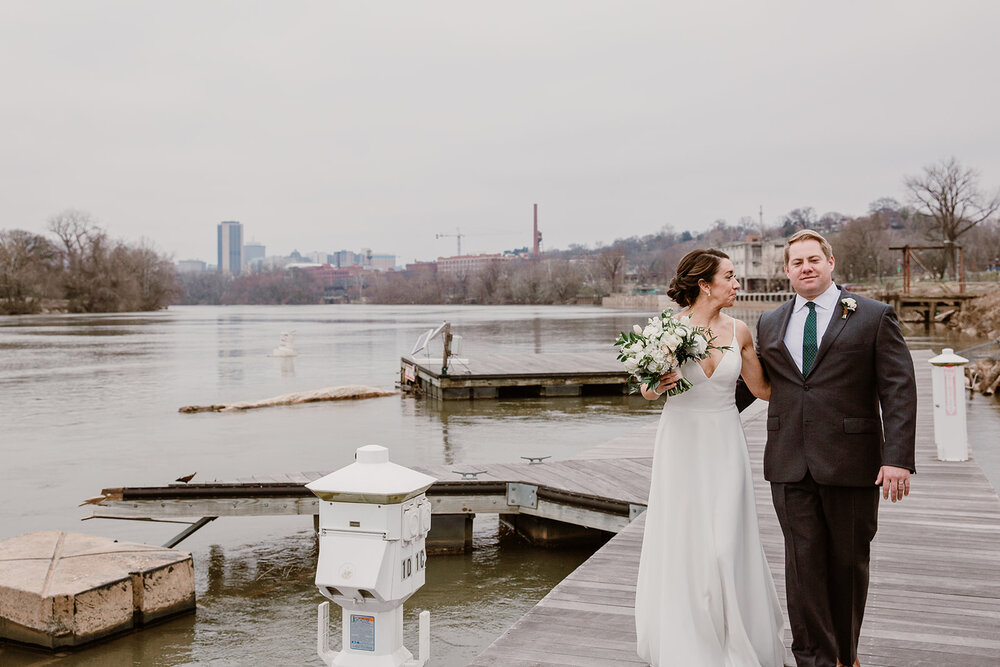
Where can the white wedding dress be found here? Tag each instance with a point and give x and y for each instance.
(705, 596)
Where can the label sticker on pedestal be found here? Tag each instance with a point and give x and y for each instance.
(950, 404)
(362, 633)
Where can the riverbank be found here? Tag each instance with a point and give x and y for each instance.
(981, 318)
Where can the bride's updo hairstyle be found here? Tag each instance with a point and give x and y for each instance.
(694, 266)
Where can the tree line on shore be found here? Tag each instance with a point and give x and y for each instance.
(81, 269)
(274, 286)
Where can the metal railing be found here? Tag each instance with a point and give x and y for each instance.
(994, 354)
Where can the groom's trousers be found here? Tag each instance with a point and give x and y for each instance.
(828, 532)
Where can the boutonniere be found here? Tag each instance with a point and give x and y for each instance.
(849, 305)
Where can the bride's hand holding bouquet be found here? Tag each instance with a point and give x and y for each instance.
(661, 348)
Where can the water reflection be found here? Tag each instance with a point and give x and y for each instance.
(468, 428)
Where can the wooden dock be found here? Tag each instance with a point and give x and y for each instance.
(514, 375)
(923, 308)
(934, 598)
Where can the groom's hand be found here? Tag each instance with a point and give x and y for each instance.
(895, 482)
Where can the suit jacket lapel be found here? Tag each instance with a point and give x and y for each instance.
(786, 315)
(837, 324)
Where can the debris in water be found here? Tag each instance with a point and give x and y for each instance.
(345, 392)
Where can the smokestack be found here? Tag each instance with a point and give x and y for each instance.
(536, 237)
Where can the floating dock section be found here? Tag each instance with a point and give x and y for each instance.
(514, 375)
(68, 589)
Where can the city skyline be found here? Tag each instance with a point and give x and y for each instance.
(390, 125)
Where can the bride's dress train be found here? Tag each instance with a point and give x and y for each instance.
(705, 596)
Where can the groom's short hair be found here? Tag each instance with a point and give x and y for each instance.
(808, 235)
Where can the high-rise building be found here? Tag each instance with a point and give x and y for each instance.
(231, 247)
(253, 255)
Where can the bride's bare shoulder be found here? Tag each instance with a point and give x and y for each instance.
(743, 334)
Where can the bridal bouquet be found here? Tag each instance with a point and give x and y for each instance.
(660, 347)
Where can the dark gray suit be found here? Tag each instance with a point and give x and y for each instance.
(826, 440)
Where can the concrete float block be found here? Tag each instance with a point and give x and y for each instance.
(67, 589)
(450, 534)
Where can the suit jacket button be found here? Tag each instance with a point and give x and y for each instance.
(805, 387)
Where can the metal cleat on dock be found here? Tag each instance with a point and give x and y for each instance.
(532, 460)
(469, 475)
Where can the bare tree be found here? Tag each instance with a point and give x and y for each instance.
(612, 264)
(29, 264)
(831, 221)
(796, 219)
(486, 282)
(862, 248)
(103, 275)
(565, 280)
(527, 285)
(87, 281)
(949, 193)
(982, 246)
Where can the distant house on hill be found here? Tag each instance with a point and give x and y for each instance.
(759, 264)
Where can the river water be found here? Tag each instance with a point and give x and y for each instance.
(91, 401)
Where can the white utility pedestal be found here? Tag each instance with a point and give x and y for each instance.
(951, 433)
(373, 522)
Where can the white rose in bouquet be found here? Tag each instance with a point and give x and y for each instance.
(670, 341)
(698, 344)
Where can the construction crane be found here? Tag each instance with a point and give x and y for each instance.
(458, 235)
(536, 237)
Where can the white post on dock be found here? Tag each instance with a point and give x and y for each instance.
(373, 518)
(951, 433)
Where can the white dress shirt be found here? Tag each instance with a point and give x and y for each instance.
(826, 306)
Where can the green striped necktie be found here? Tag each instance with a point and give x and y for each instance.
(809, 347)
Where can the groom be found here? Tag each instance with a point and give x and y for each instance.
(840, 422)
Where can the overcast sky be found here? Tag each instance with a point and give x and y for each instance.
(330, 125)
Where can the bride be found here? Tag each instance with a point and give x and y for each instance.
(705, 595)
